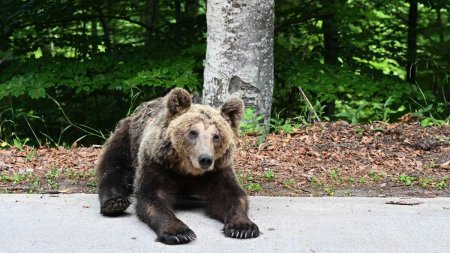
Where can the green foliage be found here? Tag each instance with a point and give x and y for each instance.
(117, 72)
(19, 143)
(329, 190)
(249, 182)
(407, 180)
(442, 184)
(251, 123)
(334, 174)
(269, 175)
(289, 183)
(66, 65)
(277, 124)
(254, 187)
(358, 98)
(52, 176)
(116, 82)
(365, 80)
(314, 181)
(373, 175)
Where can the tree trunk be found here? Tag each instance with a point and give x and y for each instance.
(412, 42)
(239, 55)
(94, 36)
(178, 17)
(106, 34)
(330, 28)
(440, 25)
(151, 7)
(191, 9)
(105, 27)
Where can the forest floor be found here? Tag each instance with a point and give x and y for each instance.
(324, 159)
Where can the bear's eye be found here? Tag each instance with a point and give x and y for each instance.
(216, 138)
(192, 134)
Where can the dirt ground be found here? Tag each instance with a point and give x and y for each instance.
(325, 159)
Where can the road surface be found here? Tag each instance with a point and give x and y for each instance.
(72, 223)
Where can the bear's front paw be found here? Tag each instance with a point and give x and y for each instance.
(241, 230)
(178, 237)
(114, 207)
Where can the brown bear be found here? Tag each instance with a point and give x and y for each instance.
(171, 147)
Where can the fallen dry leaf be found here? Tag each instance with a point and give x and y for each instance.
(334, 156)
(5, 153)
(445, 165)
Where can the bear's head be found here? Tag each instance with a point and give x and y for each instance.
(202, 137)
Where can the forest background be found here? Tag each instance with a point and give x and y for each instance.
(69, 70)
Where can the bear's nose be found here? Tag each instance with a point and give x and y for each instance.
(205, 161)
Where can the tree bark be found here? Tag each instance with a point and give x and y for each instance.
(151, 7)
(191, 9)
(178, 16)
(411, 53)
(105, 27)
(239, 55)
(440, 25)
(330, 28)
(95, 36)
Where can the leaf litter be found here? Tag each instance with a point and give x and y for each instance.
(334, 159)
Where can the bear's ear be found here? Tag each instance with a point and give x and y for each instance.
(232, 111)
(178, 100)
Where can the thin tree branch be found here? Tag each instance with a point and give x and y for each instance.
(86, 17)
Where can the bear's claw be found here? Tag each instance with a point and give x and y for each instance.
(178, 238)
(241, 231)
(115, 206)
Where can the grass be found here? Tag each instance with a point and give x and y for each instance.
(16, 178)
(31, 183)
(332, 182)
(76, 176)
(347, 192)
(32, 154)
(314, 181)
(430, 165)
(52, 176)
(360, 130)
(373, 175)
(254, 187)
(376, 176)
(269, 175)
(249, 182)
(278, 124)
(442, 184)
(10, 136)
(362, 180)
(251, 123)
(329, 190)
(407, 180)
(289, 183)
(334, 175)
(426, 183)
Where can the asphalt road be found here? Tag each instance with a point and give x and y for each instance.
(72, 223)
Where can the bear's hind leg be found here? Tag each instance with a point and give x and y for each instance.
(115, 174)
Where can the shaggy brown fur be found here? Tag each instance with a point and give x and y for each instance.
(170, 147)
